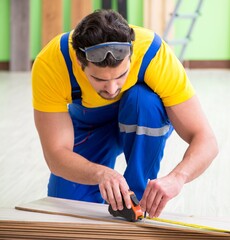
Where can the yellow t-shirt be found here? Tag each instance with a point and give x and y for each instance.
(52, 89)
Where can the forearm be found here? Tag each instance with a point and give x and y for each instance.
(73, 167)
(198, 156)
(192, 126)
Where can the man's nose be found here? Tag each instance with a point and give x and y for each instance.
(111, 87)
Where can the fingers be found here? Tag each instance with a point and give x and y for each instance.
(157, 206)
(114, 190)
(160, 207)
(103, 193)
(110, 197)
(154, 199)
(115, 196)
(145, 197)
(126, 197)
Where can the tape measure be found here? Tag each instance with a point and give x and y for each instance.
(191, 225)
(132, 214)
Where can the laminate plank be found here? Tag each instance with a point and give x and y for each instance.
(99, 212)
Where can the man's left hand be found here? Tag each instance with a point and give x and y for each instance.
(158, 192)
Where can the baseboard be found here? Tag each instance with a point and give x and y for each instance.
(191, 64)
(204, 64)
(4, 66)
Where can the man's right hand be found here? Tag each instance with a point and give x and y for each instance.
(113, 188)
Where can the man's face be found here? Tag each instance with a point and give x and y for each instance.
(108, 81)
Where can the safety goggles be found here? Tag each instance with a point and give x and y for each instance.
(98, 53)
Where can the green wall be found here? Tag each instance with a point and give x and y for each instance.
(35, 27)
(4, 30)
(210, 38)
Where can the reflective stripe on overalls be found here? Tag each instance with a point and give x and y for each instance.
(136, 125)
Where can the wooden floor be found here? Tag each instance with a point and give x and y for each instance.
(56, 218)
(24, 174)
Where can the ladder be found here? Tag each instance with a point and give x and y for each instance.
(189, 16)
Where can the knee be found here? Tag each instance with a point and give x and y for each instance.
(140, 105)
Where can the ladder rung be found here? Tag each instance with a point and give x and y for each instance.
(182, 41)
(189, 15)
(177, 15)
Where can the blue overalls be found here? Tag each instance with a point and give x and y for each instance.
(136, 125)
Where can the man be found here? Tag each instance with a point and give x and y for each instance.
(107, 88)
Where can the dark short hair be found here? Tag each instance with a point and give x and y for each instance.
(99, 27)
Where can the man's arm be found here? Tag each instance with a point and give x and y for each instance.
(192, 126)
(57, 138)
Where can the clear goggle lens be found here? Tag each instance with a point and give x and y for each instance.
(98, 53)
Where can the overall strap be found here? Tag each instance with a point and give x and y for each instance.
(76, 90)
(149, 55)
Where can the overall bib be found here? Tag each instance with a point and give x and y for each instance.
(136, 125)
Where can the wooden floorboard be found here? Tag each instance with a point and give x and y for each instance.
(97, 223)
